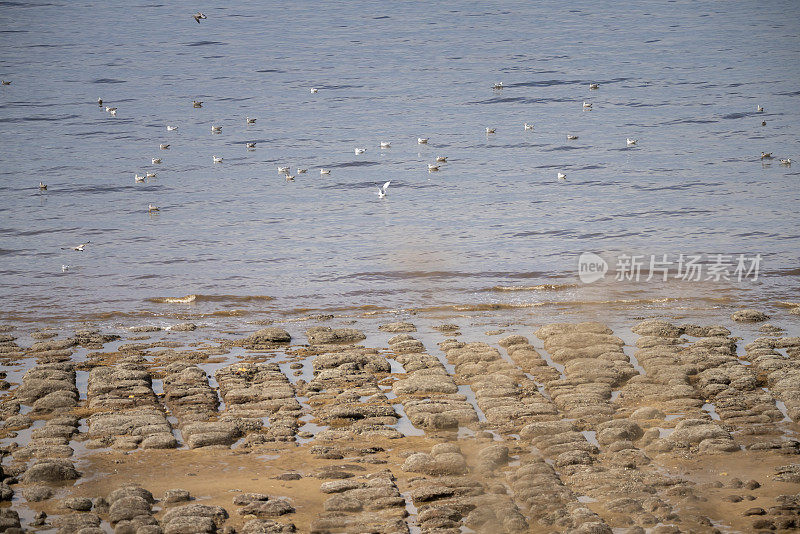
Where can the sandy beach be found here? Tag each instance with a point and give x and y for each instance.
(480, 421)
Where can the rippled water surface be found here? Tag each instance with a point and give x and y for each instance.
(683, 77)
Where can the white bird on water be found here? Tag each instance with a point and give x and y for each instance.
(760, 108)
(422, 140)
(314, 90)
(109, 109)
(562, 176)
(197, 104)
(359, 150)
(198, 17)
(324, 171)
(64, 268)
(113, 112)
(289, 178)
(156, 161)
(78, 248)
(283, 170)
(587, 105)
(137, 178)
(631, 142)
(216, 129)
(498, 85)
(786, 161)
(382, 190)
(528, 126)
(171, 128)
(251, 145)
(441, 159)
(594, 86)
(432, 168)
(766, 155)
(250, 120)
(151, 208)
(164, 146)
(217, 159)
(491, 130)
(150, 175)
(99, 101)
(571, 137)
(301, 171)
(42, 186)
(386, 144)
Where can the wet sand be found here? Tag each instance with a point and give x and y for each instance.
(438, 421)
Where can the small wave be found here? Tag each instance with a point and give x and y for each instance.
(107, 80)
(204, 43)
(540, 287)
(190, 299)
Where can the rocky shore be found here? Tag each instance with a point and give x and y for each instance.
(320, 425)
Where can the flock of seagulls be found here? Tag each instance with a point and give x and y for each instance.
(382, 190)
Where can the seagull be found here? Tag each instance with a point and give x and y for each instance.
(78, 248)
(630, 141)
(441, 159)
(149, 175)
(100, 102)
(250, 121)
(760, 108)
(301, 171)
(562, 176)
(594, 86)
(422, 140)
(156, 161)
(64, 268)
(587, 105)
(786, 161)
(216, 129)
(42, 186)
(382, 189)
(109, 109)
(432, 168)
(763, 123)
(163, 146)
(251, 145)
(571, 137)
(5, 82)
(314, 90)
(766, 155)
(137, 178)
(289, 178)
(528, 126)
(113, 112)
(197, 104)
(385, 144)
(498, 85)
(217, 159)
(151, 208)
(324, 171)
(359, 150)
(490, 130)
(199, 16)
(283, 170)
(171, 128)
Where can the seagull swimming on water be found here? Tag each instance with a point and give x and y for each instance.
(171, 128)
(109, 109)
(359, 151)
(498, 85)
(64, 268)
(216, 129)
(441, 159)
(630, 141)
(528, 126)
(283, 170)
(382, 189)
(289, 178)
(386, 144)
(786, 162)
(562, 176)
(422, 140)
(324, 171)
(301, 171)
(100, 102)
(760, 108)
(314, 90)
(251, 145)
(217, 159)
(766, 155)
(432, 168)
(151, 208)
(149, 175)
(587, 105)
(490, 130)
(78, 248)
(571, 137)
(197, 104)
(137, 178)
(164, 146)
(156, 161)
(198, 16)
(250, 120)
(5, 82)
(594, 86)
(42, 186)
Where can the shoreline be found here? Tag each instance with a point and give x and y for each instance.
(472, 412)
